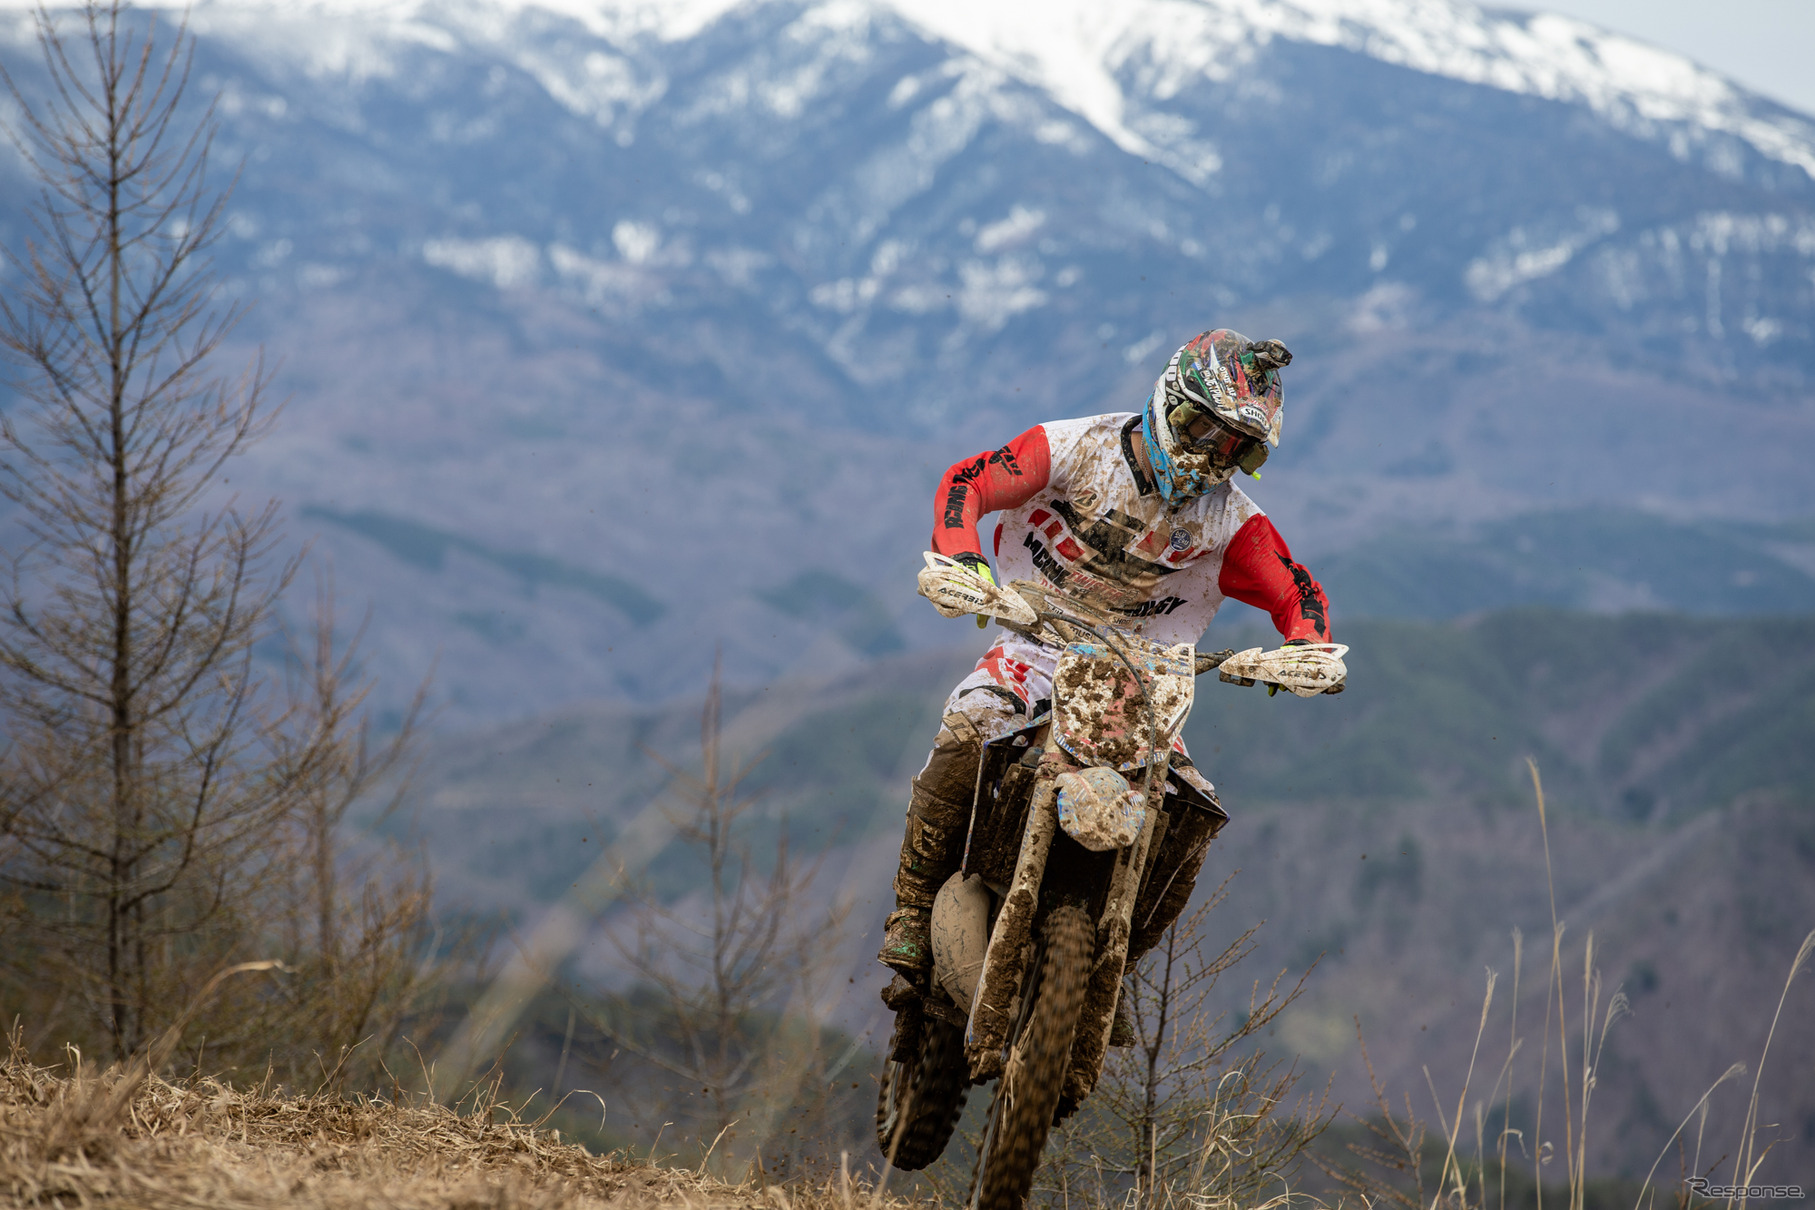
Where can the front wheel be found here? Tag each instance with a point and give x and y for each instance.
(1028, 1094)
(920, 1099)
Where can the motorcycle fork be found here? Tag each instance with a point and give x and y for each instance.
(1115, 928)
(997, 1006)
(1011, 940)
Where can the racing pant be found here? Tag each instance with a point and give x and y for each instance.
(994, 700)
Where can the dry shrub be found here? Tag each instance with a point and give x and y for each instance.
(712, 1044)
(1195, 1108)
(204, 1143)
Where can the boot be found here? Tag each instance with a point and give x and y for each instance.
(932, 846)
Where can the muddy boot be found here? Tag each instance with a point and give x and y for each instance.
(932, 847)
(907, 943)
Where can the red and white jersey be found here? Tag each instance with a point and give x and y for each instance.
(1079, 515)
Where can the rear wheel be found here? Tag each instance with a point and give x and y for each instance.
(1028, 1094)
(920, 1098)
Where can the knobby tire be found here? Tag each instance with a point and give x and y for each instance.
(918, 1104)
(1028, 1094)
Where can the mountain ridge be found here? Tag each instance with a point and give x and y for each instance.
(1074, 50)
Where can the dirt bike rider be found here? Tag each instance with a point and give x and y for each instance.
(1136, 513)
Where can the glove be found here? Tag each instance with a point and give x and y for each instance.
(979, 565)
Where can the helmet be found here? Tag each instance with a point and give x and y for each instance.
(1216, 410)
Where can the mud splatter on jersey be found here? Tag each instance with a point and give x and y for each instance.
(1079, 515)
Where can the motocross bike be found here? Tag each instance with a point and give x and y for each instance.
(1084, 841)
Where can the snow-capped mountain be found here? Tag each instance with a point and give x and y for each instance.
(616, 330)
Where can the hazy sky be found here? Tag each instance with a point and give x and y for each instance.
(1767, 45)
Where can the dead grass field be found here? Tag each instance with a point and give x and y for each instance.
(123, 1138)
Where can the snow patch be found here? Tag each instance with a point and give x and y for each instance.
(845, 295)
(615, 20)
(594, 85)
(1141, 349)
(899, 172)
(1022, 221)
(596, 281)
(738, 266)
(1523, 255)
(319, 277)
(1385, 308)
(992, 294)
(1762, 329)
(1079, 52)
(1720, 232)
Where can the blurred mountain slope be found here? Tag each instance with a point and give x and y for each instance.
(1643, 719)
(1391, 830)
(1604, 560)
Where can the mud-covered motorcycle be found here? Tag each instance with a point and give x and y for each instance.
(1083, 844)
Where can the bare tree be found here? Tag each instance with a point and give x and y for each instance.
(152, 783)
(723, 995)
(354, 919)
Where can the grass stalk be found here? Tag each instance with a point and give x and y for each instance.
(1512, 1048)
(1556, 949)
(1451, 1130)
(1745, 1166)
(1701, 1107)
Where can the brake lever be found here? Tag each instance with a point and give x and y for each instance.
(1206, 660)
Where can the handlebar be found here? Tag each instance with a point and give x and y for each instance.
(1304, 670)
(1208, 660)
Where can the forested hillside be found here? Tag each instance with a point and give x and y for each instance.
(1391, 831)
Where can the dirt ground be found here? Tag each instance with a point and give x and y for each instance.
(121, 1138)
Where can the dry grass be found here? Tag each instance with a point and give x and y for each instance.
(119, 1138)
(1394, 1171)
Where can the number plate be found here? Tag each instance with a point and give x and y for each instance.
(1099, 710)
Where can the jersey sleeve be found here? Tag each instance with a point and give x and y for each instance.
(1258, 570)
(992, 481)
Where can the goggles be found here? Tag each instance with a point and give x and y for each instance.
(1202, 432)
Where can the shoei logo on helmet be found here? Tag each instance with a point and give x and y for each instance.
(1256, 416)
